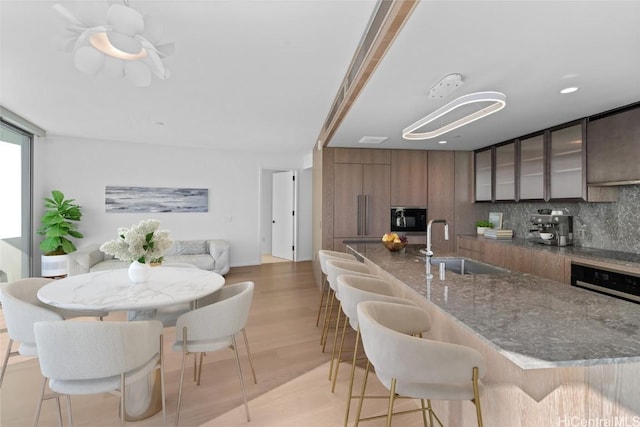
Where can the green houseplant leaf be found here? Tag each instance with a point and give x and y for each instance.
(58, 223)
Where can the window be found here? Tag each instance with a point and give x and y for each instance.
(15, 193)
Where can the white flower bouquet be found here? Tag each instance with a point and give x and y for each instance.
(143, 243)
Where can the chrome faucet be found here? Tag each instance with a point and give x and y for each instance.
(429, 252)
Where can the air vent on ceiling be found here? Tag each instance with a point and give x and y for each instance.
(372, 139)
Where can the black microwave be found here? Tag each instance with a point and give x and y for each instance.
(409, 220)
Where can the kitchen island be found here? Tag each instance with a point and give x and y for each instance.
(557, 355)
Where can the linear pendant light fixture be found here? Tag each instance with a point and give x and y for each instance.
(497, 100)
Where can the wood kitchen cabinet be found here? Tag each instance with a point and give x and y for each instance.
(548, 265)
(361, 200)
(409, 178)
(470, 247)
(613, 148)
(519, 259)
(441, 200)
(356, 195)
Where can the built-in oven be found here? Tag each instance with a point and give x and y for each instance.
(609, 282)
(408, 219)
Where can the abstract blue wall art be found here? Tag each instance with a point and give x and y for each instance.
(156, 199)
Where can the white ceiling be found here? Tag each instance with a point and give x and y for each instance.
(261, 75)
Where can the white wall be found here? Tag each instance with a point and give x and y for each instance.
(81, 168)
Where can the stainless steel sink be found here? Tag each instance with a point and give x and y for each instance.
(468, 266)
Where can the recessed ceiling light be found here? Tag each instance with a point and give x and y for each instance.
(372, 139)
(442, 142)
(568, 90)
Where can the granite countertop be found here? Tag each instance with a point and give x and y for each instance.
(534, 322)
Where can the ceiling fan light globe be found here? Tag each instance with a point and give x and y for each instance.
(130, 47)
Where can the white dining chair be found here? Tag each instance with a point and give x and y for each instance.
(214, 327)
(414, 367)
(20, 314)
(97, 357)
(324, 255)
(354, 290)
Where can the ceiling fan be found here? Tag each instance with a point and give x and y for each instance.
(117, 40)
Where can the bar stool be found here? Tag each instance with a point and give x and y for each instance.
(324, 255)
(414, 367)
(354, 290)
(336, 268)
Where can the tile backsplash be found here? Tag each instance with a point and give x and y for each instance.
(613, 226)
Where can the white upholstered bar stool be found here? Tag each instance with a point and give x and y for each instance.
(336, 268)
(323, 256)
(354, 290)
(415, 367)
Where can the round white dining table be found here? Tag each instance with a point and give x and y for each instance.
(111, 290)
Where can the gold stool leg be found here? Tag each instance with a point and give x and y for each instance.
(246, 344)
(392, 396)
(327, 320)
(351, 377)
(335, 374)
(324, 284)
(476, 396)
(364, 389)
(335, 341)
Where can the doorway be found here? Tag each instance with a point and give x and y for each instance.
(277, 203)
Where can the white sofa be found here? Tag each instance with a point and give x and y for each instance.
(210, 255)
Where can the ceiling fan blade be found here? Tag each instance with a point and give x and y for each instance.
(68, 16)
(88, 60)
(153, 28)
(125, 20)
(166, 49)
(137, 73)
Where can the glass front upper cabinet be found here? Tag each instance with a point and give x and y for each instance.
(532, 168)
(566, 162)
(483, 175)
(506, 172)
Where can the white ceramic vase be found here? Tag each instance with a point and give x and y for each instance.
(139, 272)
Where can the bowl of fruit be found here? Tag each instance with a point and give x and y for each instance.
(394, 242)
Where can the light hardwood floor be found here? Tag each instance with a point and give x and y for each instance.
(292, 390)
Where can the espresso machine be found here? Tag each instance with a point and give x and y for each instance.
(554, 230)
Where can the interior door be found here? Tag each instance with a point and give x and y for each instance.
(282, 219)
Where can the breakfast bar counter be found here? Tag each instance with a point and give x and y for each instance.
(543, 340)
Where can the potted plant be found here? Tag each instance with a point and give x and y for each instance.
(482, 225)
(58, 224)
